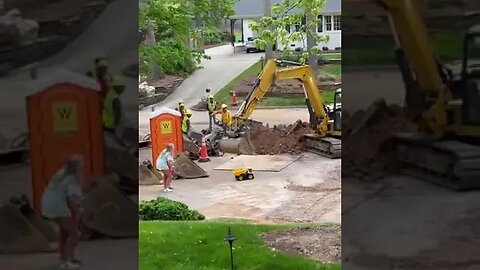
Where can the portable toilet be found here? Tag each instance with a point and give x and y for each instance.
(165, 128)
(64, 118)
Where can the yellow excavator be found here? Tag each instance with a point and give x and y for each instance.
(444, 105)
(325, 120)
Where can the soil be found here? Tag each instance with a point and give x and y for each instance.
(278, 139)
(366, 137)
(319, 243)
(167, 83)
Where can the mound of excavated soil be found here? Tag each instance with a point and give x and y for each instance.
(279, 139)
(367, 152)
(319, 243)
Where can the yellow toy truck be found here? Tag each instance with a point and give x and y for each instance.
(243, 174)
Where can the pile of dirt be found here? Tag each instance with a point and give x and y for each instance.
(366, 140)
(279, 139)
(319, 243)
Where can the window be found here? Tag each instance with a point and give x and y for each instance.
(337, 23)
(288, 28)
(328, 23)
(320, 23)
(301, 26)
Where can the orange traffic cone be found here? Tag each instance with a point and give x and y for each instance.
(234, 99)
(203, 151)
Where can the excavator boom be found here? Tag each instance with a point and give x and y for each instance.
(326, 141)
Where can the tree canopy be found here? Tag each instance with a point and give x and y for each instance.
(175, 23)
(300, 15)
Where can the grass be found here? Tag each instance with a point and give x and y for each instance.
(447, 46)
(223, 96)
(201, 246)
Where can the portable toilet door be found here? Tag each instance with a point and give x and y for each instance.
(165, 128)
(64, 118)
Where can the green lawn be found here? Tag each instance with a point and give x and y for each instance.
(200, 245)
(223, 96)
(447, 46)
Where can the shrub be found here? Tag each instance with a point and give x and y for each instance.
(166, 209)
(212, 36)
(172, 58)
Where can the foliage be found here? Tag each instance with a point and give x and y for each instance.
(172, 57)
(187, 245)
(213, 35)
(175, 23)
(166, 209)
(289, 13)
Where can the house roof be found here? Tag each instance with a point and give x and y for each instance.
(250, 9)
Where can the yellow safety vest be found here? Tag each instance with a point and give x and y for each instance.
(211, 105)
(184, 124)
(226, 118)
(108, 115)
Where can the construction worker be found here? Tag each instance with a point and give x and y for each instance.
(226, 118)
(103, 76)
(112, 107)
(181, 108)
(211, 107)
(186, 126)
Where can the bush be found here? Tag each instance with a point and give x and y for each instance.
(166, 209)
(212, 36)
(172, 58)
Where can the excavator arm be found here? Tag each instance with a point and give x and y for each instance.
(447, 158)
(266, 79)
(427, 95)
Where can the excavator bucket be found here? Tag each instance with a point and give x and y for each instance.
(109, 212)
(186, 168)
(148, 175)
(122, 163)
(191, 147)
(237, 146)
(19, 235)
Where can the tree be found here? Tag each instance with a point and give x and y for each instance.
(292, 21)
(175, 23)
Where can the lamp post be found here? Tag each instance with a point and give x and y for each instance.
(230, 238)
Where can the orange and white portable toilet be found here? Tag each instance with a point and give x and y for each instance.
(64, 118)
(165, 128)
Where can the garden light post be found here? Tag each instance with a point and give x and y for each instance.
(230, 238)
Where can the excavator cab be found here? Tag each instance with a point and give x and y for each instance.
(336, 114)
(470, 77)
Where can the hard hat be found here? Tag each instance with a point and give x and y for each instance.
(102, 63)
(210, 97)
(117, 81)
(224, 106)
(188, 112)
(180, 104)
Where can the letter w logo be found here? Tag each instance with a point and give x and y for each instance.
(166, 125)
(64, 112)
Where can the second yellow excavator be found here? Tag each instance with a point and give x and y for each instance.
(325, 120)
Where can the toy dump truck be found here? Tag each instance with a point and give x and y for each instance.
(243, 174)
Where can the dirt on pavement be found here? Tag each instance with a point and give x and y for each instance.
(319, 243)
(278, 139)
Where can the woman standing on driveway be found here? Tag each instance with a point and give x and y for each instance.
(61, 203)
(164, 164)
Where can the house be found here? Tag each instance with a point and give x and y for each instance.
(329, 23)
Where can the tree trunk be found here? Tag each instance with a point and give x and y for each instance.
(268, 13)
(150, 41)
(311, 42)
